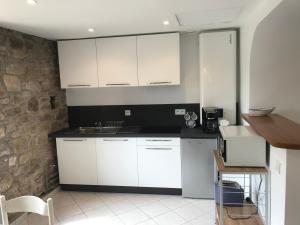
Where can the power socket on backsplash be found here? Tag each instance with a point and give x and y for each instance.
(127, 112)
(180, 112)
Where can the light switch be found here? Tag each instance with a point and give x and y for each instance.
(278, 167)
(127, 112)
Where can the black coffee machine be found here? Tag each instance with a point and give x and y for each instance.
(210, 119)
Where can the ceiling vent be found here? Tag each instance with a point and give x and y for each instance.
(208, 17)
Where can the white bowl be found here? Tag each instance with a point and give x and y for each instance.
(261, 111)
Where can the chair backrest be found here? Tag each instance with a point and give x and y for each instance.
(28, 204)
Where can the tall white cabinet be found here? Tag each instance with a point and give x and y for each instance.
(78, 64)
(218, 63)
(117, 61)
(158, 59)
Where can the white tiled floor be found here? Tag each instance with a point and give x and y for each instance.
(80, 208)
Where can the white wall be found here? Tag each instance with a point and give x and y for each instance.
(187, 92)
(248, 24)
(278, 163)
(275, 61)
(292, 216)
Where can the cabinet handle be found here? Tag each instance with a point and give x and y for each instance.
(158, 140)
(74, 139)
(115, 139)
(160, 149)
(79, 85)
(118, 84)
(162, 82)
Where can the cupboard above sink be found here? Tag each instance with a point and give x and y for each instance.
(146, 60)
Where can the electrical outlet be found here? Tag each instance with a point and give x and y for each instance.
(127, 112)
(179, 112)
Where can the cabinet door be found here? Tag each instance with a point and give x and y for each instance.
(158, 59)
(159, 166)
(117, 161)
(77, 162)
(78, 63)
(117, 61)
(198, 167)
(218, 72)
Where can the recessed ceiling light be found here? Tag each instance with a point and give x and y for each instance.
(91, 30)
(32, 2)
(166, 22)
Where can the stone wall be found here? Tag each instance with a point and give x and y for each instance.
(29, 76)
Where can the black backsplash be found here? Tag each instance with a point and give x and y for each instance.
(143, 115)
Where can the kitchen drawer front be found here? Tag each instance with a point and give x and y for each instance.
(117, 161)
(77, 162)
(159, 166)
(158, 141)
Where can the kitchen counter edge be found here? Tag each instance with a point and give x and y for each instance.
(186, 133)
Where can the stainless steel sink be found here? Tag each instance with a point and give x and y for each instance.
(98, 130)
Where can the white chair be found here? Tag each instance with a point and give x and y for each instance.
(28, 204)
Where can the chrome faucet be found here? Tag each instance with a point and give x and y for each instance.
(98, 124)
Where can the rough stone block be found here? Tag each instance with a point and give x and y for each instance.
(12, 83)
(16, 68)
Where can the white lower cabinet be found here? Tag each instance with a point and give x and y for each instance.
(144, 162)
(117, 161)
(77, 162)
(159, 166)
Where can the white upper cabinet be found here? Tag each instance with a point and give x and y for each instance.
(218, 72)
(146, 60)
(78, 63)
(158, 59)
(117, 61)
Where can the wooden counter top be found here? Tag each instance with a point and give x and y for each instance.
(279, 131)
(255, 219)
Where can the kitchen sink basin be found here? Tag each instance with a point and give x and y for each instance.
(98, 130)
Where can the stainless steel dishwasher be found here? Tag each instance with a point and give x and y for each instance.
(198, 168)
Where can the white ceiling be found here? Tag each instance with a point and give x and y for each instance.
(67, 19)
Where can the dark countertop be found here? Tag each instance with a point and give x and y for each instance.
(196, 133)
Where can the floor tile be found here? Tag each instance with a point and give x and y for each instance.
(189, 212)
(170, 218)
(34, 219)
(113, 220)
(174, 202)
(133, 217)
(154, 209)
(67, 212)
(148, 222)
(89, 208)
(119, 207)
(143, 199)
(86, 205)
(62, 199)
(102, 211)
(109, 197)
(79, 219)
(83, 196)
(207, 206)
